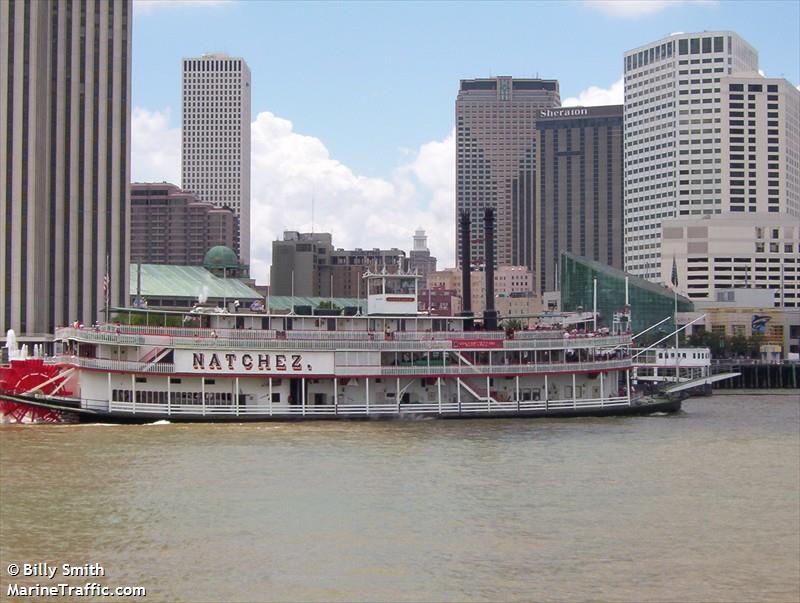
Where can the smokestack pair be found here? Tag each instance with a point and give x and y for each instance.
(489, 314)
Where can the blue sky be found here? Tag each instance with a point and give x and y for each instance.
(371, 79)
(365, 92)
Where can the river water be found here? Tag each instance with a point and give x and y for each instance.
(700, 506)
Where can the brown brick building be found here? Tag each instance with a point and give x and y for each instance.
(170, 226)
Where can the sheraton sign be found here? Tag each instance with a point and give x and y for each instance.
(562, 112)
(255, 362)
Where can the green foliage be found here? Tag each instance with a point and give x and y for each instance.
(512, 324)
(328, 305)
(727, 347)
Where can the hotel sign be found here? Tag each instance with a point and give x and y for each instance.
(612, 111)
(563, 112)
(224, 362)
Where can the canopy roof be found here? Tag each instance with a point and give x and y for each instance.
(162, 280)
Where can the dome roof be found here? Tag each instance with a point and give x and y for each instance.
(220, 257)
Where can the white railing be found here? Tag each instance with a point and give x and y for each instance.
(113, 365)
(335, 340)
(467, 407)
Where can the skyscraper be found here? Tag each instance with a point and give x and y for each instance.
(673, 152)
(579, 187)
(495, 162)
(755, 241)
(760, 145)
(65, 157)
(215, 123)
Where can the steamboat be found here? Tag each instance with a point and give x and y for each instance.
(383, 361)
(389, 362)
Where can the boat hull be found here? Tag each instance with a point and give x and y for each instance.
(70, 410)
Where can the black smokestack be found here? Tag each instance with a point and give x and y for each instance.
(466, 283)
(489, 314)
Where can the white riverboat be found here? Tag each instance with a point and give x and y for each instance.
(390, 362)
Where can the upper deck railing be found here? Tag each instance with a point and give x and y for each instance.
(190, 338)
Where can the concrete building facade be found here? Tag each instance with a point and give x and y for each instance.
(579, 181)
(755, 240)
(299, 264)
(673, 135)
(513, 288)
(215, 126)
(308, 265)
(170, 226)
(748, 312)
(760, 146)
(495, 162)
(348, 266)
(65, 157)
(735, 250)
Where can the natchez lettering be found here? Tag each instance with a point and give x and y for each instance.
(248, 362)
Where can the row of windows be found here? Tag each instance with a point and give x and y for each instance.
(212, 65)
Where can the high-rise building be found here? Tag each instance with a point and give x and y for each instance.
(65, 157)
(760, 145)
(579, 188)
(299, 264)
(755, 241)
(673, 135)
(215, 124)
(420, 258)
(170, 226)
(495, 162)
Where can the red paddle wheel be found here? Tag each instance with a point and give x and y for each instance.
(22, 376)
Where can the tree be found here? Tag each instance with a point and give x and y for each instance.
(512, 324)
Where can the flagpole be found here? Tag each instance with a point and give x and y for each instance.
(675, 315)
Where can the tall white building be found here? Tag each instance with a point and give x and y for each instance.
(65, 117)
(673, 135)
(216, 136)
(755, 241)
(760, 145)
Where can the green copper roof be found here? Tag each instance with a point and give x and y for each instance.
(220, 257)
(161, 280)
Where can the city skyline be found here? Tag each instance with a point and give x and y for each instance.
(380, 185)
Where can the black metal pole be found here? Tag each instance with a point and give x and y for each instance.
(489, 314)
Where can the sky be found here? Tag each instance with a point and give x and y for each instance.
(353, 102)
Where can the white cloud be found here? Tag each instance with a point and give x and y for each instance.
(594, 95)
(155, 147)
(146, 7)
(288, 168)
(638, 8)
